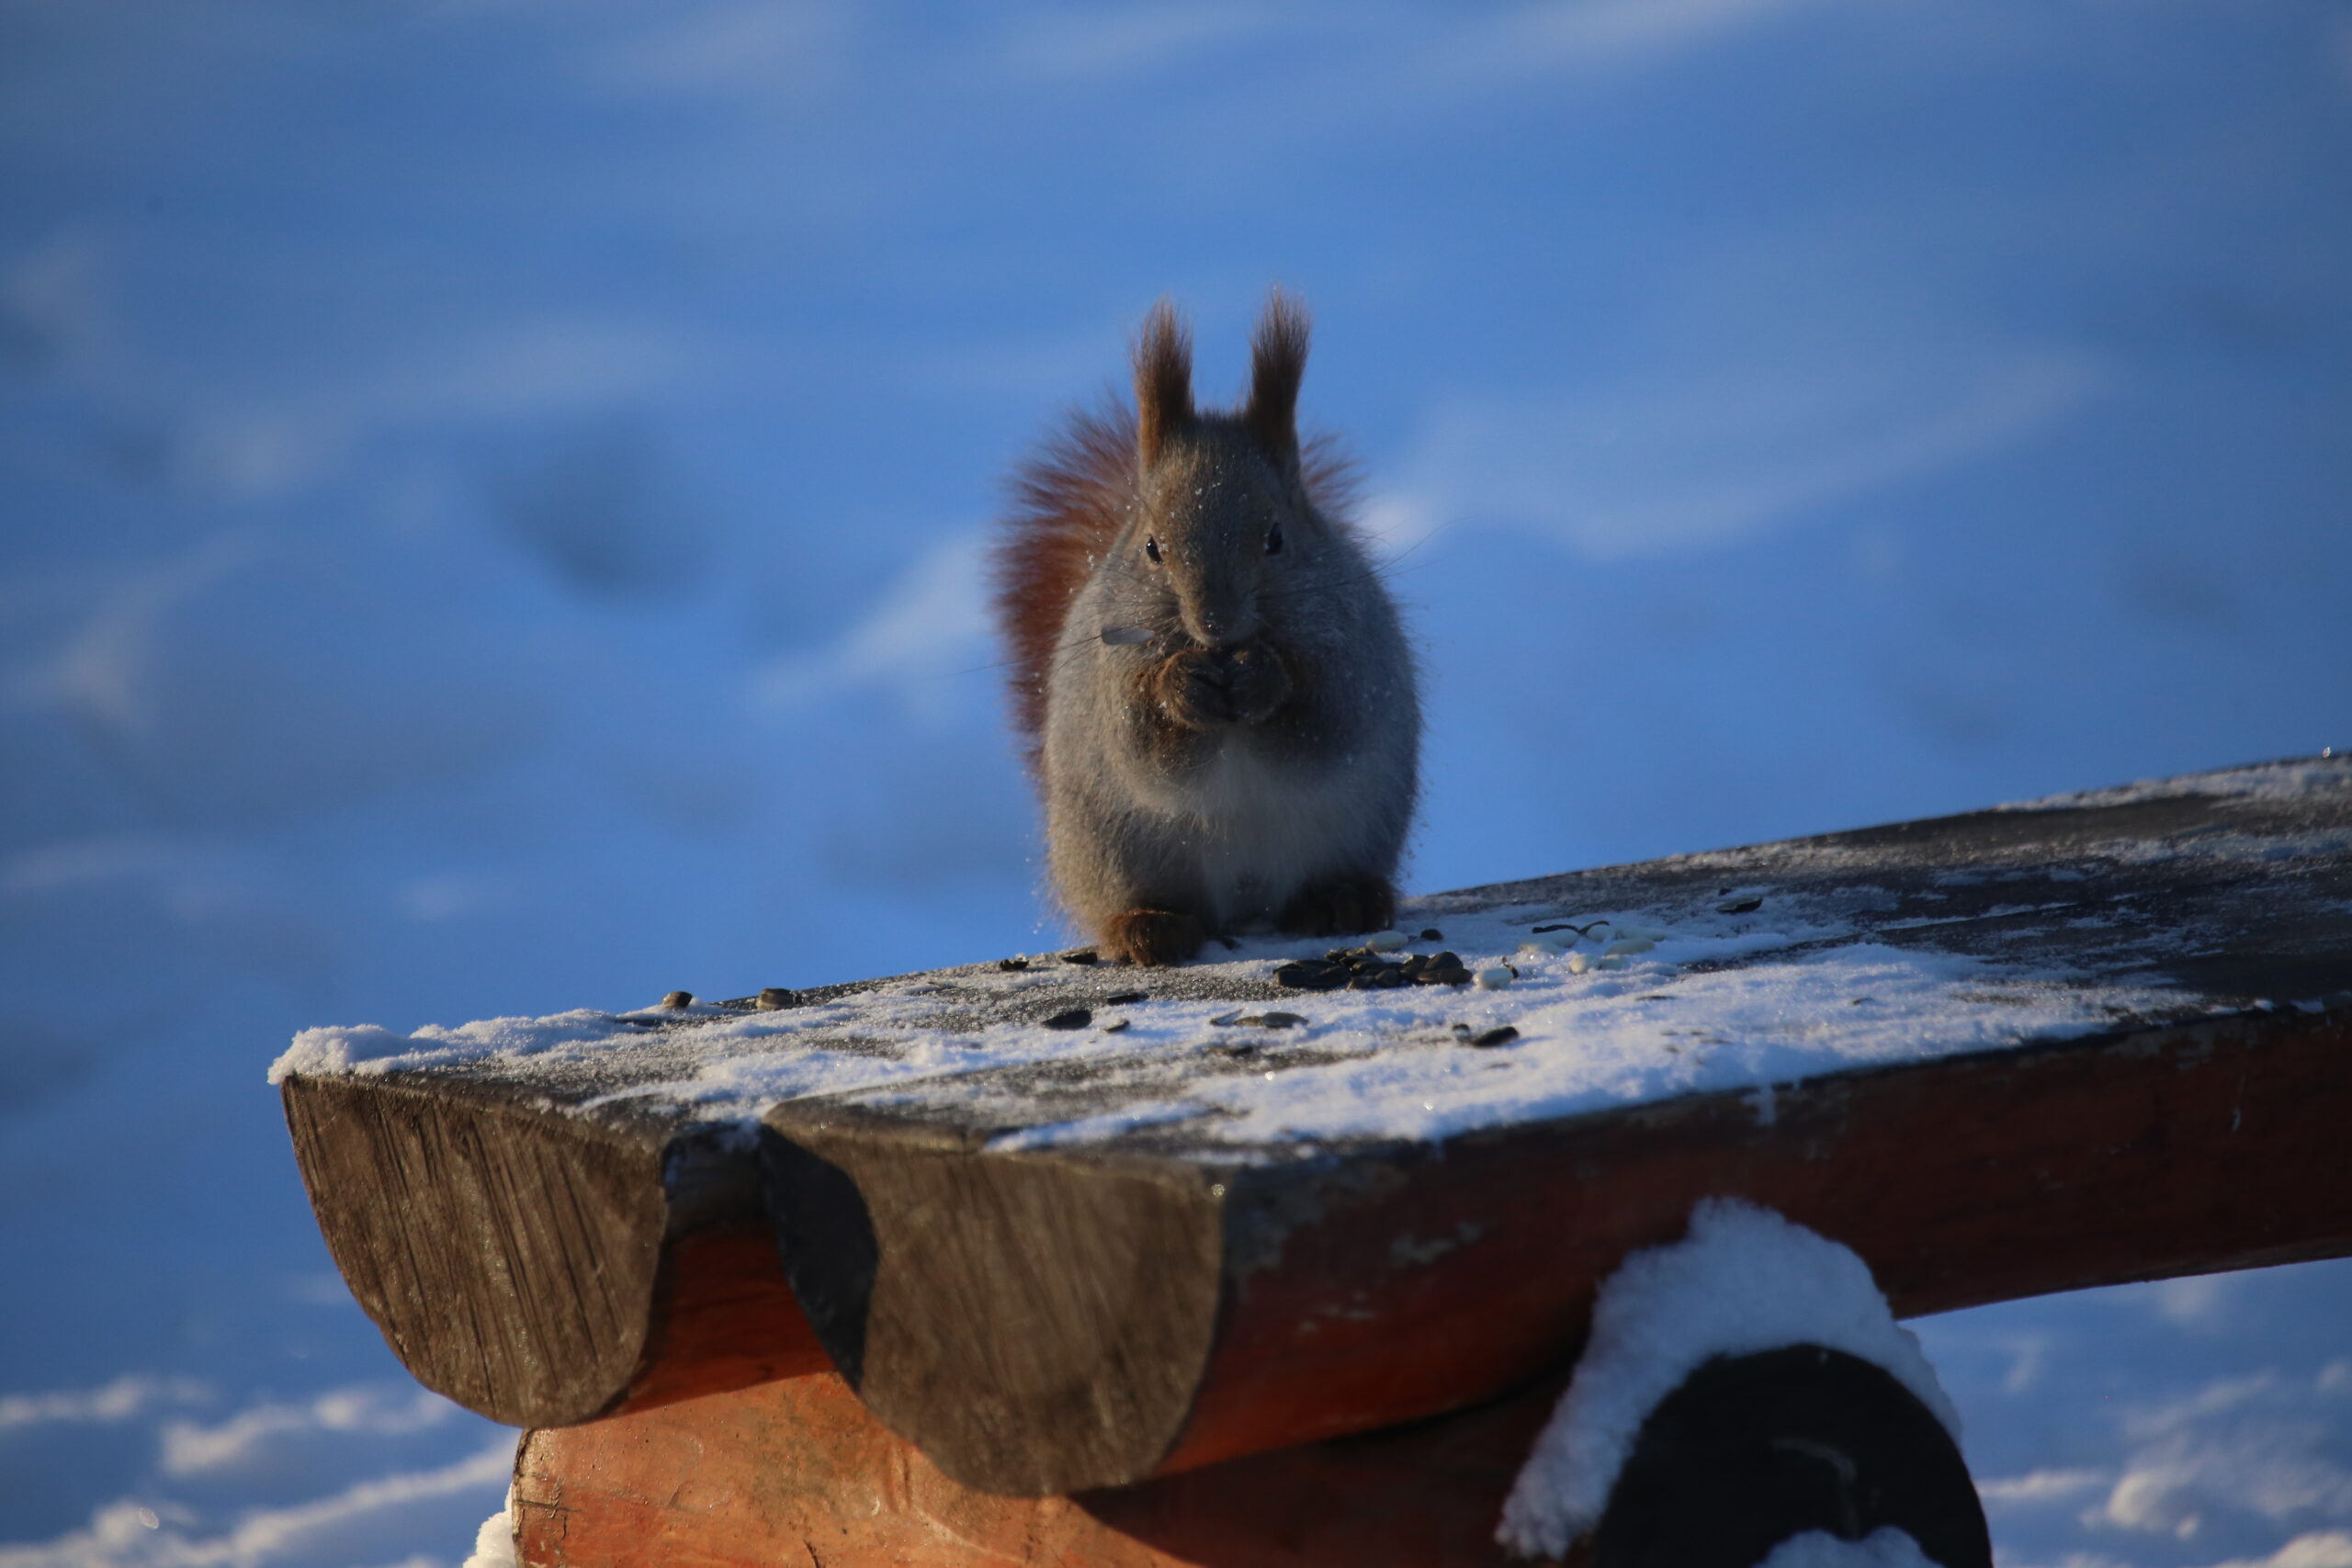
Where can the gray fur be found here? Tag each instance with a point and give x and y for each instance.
(1219, 811)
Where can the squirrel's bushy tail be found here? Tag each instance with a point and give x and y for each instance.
(1069, 501)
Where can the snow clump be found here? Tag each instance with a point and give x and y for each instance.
(1743, 1281)
(1884, 1547)
(495, 1543)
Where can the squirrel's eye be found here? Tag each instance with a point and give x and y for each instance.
(1151, 548)
(1274, 540)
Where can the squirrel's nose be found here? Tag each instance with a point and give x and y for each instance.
(1218, 625)
(1213, 631)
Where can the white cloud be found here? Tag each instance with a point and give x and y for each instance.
(2029, 1354)
(2196, 1301)
(52, 300)
(2219, 1397)
(2261, 1445)
(289, 413)
(527, 364)
(1398, 521)
(257, 1437)
(1701, 456)
(131, 1534)
(760, 45)
(325, 1288)
(249, 678)
(273, 425)
(126, 1397)
(96, 861)
(2329, 1549)
(96, 673)
(932, 623)
(2039, 1486)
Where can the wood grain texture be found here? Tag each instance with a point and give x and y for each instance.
(549, 1234)
(1040, 1324)
(509, 1257)
(522, 1262)
(800, 1473)
(1350, 1293)
(724, 1317)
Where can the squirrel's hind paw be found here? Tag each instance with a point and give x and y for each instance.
(1152, 936)
(1341, 906)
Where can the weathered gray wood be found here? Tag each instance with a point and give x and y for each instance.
(542, 1268)
(1352, 1292)
(1157, 1296)
(1360, 1283)
(509, 1255)
(1085, 1296)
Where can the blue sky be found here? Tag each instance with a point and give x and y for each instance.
(491, 496)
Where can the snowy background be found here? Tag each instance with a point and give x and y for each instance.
(490, 495)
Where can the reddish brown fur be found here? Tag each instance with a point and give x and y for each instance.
(1068, 501)
(1152, 936)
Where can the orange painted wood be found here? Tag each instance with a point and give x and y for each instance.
(2205, 1146)
(727, 1320)
(2189, 1150)
(798, 1472)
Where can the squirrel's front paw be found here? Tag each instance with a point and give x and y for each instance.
(1152, 936)
(1341, 906)
(1202, 688)
(1257, 682)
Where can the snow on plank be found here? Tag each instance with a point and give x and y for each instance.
(1068, 1225)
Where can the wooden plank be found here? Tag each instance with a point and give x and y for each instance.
(799, 1472)
(1081, 1335)
(1057, 1261)
(510, 1259)
(537, 1267)
(723, 1318)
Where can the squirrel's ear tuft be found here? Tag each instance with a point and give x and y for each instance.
(1163, 379)
(1277, 363)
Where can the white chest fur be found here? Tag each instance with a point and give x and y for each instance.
(1259, 832)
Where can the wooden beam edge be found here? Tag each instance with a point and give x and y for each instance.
(2189, 1148)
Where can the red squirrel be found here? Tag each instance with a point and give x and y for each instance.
(1215, 689)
